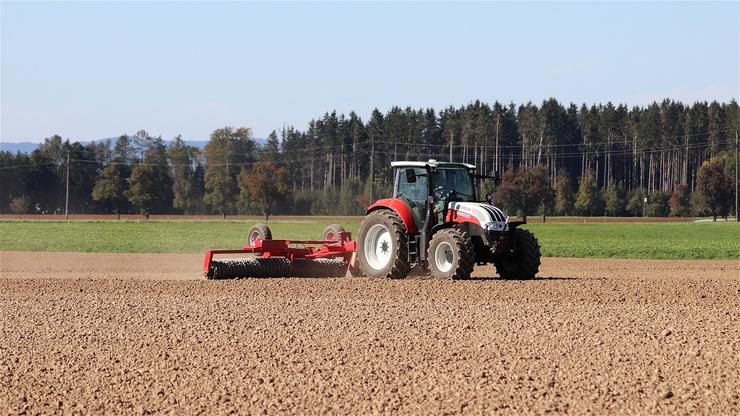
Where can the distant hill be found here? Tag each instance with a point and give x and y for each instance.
(23, 147)
(28, 147)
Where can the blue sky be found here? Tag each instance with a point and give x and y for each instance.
(92, 70)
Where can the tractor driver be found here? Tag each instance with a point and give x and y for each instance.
(442, 185)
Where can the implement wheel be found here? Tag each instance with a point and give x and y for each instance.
(451, 254)
(261, 231)
(382, 246)
(524, 263)
(332, 231)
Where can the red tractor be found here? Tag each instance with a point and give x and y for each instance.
(436, 222)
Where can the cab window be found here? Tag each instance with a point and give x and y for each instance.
(415, 191)
(454, 180)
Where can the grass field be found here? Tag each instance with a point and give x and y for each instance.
(706, 240)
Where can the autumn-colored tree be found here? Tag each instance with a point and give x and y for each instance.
(680, 202)
(20, 205)
(264, 184)
(524, 190)
(715, 188)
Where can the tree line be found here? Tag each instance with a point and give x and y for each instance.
(555, 159)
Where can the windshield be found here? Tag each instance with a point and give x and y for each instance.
(454, 180)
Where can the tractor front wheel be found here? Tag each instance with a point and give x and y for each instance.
(451, 254)
(382, 246)
(524, 262)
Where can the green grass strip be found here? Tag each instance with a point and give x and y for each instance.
(704, 240)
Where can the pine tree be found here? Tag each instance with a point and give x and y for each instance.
(270, 152)
(183, 162)
(150, 185)
(227, 151)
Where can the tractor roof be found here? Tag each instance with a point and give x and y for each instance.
(433, 163)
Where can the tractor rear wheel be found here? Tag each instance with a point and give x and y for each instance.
(382, 246)
(261, 231)
(524, 263)
(451, 254)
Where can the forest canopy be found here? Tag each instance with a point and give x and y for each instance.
(600, 159)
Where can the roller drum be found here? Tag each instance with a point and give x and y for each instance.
(241, 268)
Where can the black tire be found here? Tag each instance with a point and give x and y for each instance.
(397, 266)
(457, 254)
(525, 261)
(261, 231)
(331, 232)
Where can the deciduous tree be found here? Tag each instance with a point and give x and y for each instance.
(264, 184)
(715, 188)
(588, 200)
(524, 190)
(563, 195)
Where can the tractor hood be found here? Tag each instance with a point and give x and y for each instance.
(487, 216)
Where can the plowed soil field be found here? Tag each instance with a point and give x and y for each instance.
(120, 333)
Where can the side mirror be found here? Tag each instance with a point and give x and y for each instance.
(410, 176)
(489, 198)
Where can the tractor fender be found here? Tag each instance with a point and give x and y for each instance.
(400, 208)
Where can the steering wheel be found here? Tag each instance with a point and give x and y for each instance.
(441, 193)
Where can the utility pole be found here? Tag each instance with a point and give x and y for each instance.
(497, 169)
(66, 198)
(451, 137)
(372, 167)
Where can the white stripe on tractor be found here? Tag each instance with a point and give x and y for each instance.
(487, 215)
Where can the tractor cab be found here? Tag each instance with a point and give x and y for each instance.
(423, 184)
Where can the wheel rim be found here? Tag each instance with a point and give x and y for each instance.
(378, 247)
(443, 257)
(330, 236)
(254, 236)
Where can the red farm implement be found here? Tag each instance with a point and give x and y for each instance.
(330, 257)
